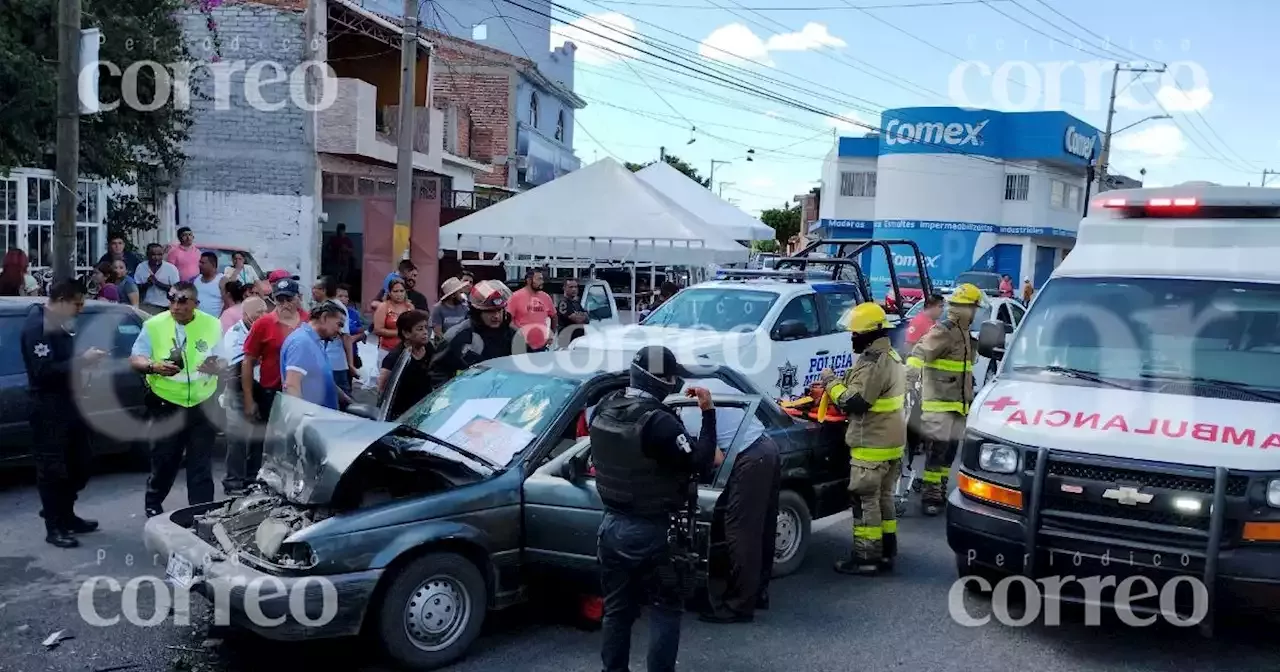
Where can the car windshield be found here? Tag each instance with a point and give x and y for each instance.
(714, 308)
(1212, 334)
(908, 281)
(987, 282)
(983, 313)
(494, 413)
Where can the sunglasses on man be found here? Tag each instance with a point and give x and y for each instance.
(181, 299)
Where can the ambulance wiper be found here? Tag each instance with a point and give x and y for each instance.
(1216, 383)
(1078, 374)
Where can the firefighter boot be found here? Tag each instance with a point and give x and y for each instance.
(889, 546)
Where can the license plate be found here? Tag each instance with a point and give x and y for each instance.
(180, 570)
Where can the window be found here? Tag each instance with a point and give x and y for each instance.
(533, 109)
(560, 126)
(837, 305)
(802, 309)
(9, 213)
(1018, 312)
(1016, 187)
(40, 212)
(1057, 194)
(1004, 315)
(107, 328)
(1156, 334)
(596, 302)
(714, 308)
(858, 185)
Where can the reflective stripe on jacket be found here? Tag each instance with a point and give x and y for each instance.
(943, 360)
(877, 377)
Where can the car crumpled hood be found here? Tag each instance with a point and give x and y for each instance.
(308, 448)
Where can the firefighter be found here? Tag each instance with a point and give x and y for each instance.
(942, 361)
(872, 394)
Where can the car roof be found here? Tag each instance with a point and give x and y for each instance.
(10, 305)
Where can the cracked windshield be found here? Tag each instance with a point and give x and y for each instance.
(578, 335)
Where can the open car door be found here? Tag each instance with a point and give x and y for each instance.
(562, 508)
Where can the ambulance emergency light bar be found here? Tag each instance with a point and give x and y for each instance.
(1210, 203)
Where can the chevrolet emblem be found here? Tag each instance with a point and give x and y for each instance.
(1128, 496)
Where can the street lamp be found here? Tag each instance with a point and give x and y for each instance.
(721, 192)
(714, 163)
(1142, 121)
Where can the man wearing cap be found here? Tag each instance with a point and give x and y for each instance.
(177, 352)
(486, 334)
(262, 349)
(942, 361)
(645, 464)
(451, 310)
(872, 394)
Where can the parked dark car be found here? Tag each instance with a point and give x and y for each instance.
(113, 393)
(475, 497)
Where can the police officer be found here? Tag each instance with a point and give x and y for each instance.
(645, 464)
(177, 351)
(872, 394)
(62, 452)
(943, 363)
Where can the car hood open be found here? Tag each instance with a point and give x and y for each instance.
(308, 448)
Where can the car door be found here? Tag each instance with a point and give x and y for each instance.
(797, 343)
(114, 392)
(15, 402)
(562, 508)
(598, 301)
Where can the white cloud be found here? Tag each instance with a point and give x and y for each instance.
(598, 48)
(736, 42)
(1160, 145)
(1177, 100)
(812, 36)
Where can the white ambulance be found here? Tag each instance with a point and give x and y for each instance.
(1133, 426)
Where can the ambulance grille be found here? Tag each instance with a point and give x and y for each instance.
(1237, 486)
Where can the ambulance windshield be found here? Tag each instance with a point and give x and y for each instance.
(1156, 332)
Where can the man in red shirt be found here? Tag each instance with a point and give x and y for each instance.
(262, 350)
(532, 312)
(922, 323)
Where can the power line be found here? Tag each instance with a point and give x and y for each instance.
(1033, 29)
(788, 8)
(599, 144)
(1073, 22)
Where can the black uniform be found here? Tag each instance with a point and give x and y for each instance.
(62, 451)
(748, 515)
(564, 311)
(645, 463)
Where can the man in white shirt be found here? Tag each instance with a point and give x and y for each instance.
(154, 278)
(244, 443)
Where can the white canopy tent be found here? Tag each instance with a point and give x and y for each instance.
(602, 212)
(704, 204)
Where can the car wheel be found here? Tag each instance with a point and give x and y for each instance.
(792, 540)
(966, 568)
(432, 611)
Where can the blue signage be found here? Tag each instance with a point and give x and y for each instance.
(1046, 136)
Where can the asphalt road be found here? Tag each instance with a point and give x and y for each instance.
(820, 621)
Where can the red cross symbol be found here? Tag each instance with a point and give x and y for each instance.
(1001, 403)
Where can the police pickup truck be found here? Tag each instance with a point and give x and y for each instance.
(1133, 426)
(779, 327)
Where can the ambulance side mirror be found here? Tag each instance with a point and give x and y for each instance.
(991, 339)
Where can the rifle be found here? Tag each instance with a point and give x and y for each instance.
(682, 535)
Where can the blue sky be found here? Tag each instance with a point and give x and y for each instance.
(853, 64)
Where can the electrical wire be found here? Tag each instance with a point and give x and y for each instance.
(1075, 23)
(801, 8)
(599, 144)
(1078, 47)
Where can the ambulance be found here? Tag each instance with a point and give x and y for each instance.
(1133, 426)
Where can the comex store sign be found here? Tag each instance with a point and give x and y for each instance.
(1079, 145)
(934, 133)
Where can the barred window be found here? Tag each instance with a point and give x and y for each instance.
(1016, 187)
(858, 185)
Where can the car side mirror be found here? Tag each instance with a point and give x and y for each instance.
(363, 411)
(791, 330)
(991, 339)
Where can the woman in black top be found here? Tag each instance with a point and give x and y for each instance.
(414, 382)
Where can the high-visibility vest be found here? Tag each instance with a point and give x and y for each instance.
(188, 387)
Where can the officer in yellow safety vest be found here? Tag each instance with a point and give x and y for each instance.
(176, 352)
(942, 361)
(872, 394)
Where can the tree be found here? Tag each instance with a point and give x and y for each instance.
(784, 221)
(127, 215)
(677, 163)
(111, 143)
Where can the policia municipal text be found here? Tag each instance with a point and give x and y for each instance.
(175, 350)
(646, 472)
(943, 363)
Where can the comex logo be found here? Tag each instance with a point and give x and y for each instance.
(910, 260)
(1080, 145)
(933, 133)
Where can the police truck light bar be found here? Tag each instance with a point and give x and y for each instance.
(1152, 203)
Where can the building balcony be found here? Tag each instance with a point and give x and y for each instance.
(541, 159)
(470, 200)
(354, 125)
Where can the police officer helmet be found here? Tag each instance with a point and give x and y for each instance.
(865, 318)
(965, 295)
(655, 370)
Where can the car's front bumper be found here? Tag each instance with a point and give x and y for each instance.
(331, 605)
(995, 539)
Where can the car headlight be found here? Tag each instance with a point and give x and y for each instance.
(1000, 459)
(1273, 493)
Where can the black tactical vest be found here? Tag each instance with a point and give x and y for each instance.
(627, 480)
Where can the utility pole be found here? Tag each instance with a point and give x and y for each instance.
(711, 179)
(662, 154)
(68, 141)
(1265, 173)
(404, 155)
(1105, 156)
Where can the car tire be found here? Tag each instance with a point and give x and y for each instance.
(965, 569)
(792, 541)
(415, 636)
